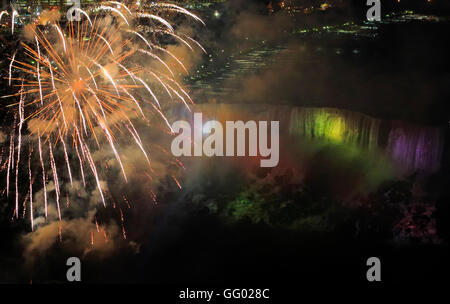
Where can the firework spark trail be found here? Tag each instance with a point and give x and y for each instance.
(164, 118)
(138, 141)
(171, 55)
(157, 58)
(180, 88)
(87, 153)
(7, 173)
(177, 9)
(179, 96)
(175, 36)
(125, 199)
(142, 37)
(98, 102)
(61, 35)
(13, 20)
(196, 42)
(92, 77)
(122, 5)
(107, 43)
(38, 71)
(10, 67)
(179, 163)
(11, 155)
(2, 167)
(66, 156)
(77, 9)
(126, 70)
(157, 18)
(122, 220)
(19, 146)
(55, 179)
(81, 111)
(149, 90)
(24, 205)
(108, 8)
(30, 176)
(111, 143)
(3, 13)
(81, 166)
(44, 181)
(154, 197)
(108, 76)
(134, 100)
(56, 92)
(177, 182)
(162, 83)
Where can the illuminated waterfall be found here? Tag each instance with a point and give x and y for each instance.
(409, 147)
(335, 125)
(415, 148)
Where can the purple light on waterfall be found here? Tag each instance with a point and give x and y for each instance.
(415, 148)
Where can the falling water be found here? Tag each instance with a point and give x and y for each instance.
(410, 148)
(335, 125)
(415, 148)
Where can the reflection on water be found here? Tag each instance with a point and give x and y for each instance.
(356, 43)
(212, 79)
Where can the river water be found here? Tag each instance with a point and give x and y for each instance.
(394, 69)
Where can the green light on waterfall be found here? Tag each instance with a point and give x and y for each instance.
(336, 130)
(329, 127)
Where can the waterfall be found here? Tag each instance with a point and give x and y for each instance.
(335, 125)
(415, 148)
(409, 147)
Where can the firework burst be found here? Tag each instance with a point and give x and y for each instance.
(81, 82)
